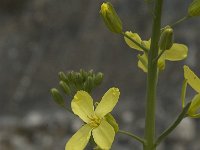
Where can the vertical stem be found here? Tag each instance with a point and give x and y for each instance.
(152, 78)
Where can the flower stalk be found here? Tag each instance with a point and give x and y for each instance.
(152, 78)
(135, 137)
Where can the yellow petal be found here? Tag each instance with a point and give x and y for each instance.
(147, 44)
(80, 139)
(107, 102)
(143, 62)
(176, 52)
(134, 36)
(82, 105)
(104, 135)
(194, 109)
(192, 79)
(161, 62)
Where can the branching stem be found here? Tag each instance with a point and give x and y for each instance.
(180, 20)
(135, 137)
(173, 126)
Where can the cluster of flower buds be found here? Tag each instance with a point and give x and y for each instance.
(71, 82)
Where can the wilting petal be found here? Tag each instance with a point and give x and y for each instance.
(176, 52)
(80, 139)
(194, 109)
(192, 79)
(82, 105)
(131, 44)
(104, 135)
(107, 102)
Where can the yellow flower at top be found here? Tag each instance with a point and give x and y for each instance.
(175, 53)
(194, 82)
(95, 122)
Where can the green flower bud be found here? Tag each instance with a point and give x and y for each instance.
(90, 73)
(62, 76)
(70, 76)
(65, 88)
(89, 84)
(83, 74)
(77, 79)
(166, 39)
(98, 78)
(194, 8)
(57, 97)
(110, 18)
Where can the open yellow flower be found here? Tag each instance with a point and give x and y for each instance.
(194, 82)
(175, 53)
(95, 122)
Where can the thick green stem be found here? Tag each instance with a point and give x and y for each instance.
(152, 79)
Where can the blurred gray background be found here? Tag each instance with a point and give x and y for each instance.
(39, 38)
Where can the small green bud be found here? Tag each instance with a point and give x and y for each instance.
(76, 77)
(166, 39)
(90, 81)
(65, 88)
(62, 76)
(194, 9)
(89, 84)
(57, 97)
(98, 79)
(79, 78)
(83, 74)
(90, 73)
(71, 76)
(110, 18)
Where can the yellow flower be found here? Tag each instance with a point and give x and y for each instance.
(95, 121)
(194, 82)
(175, 53)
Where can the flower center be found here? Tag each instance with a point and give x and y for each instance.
(94, 120)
